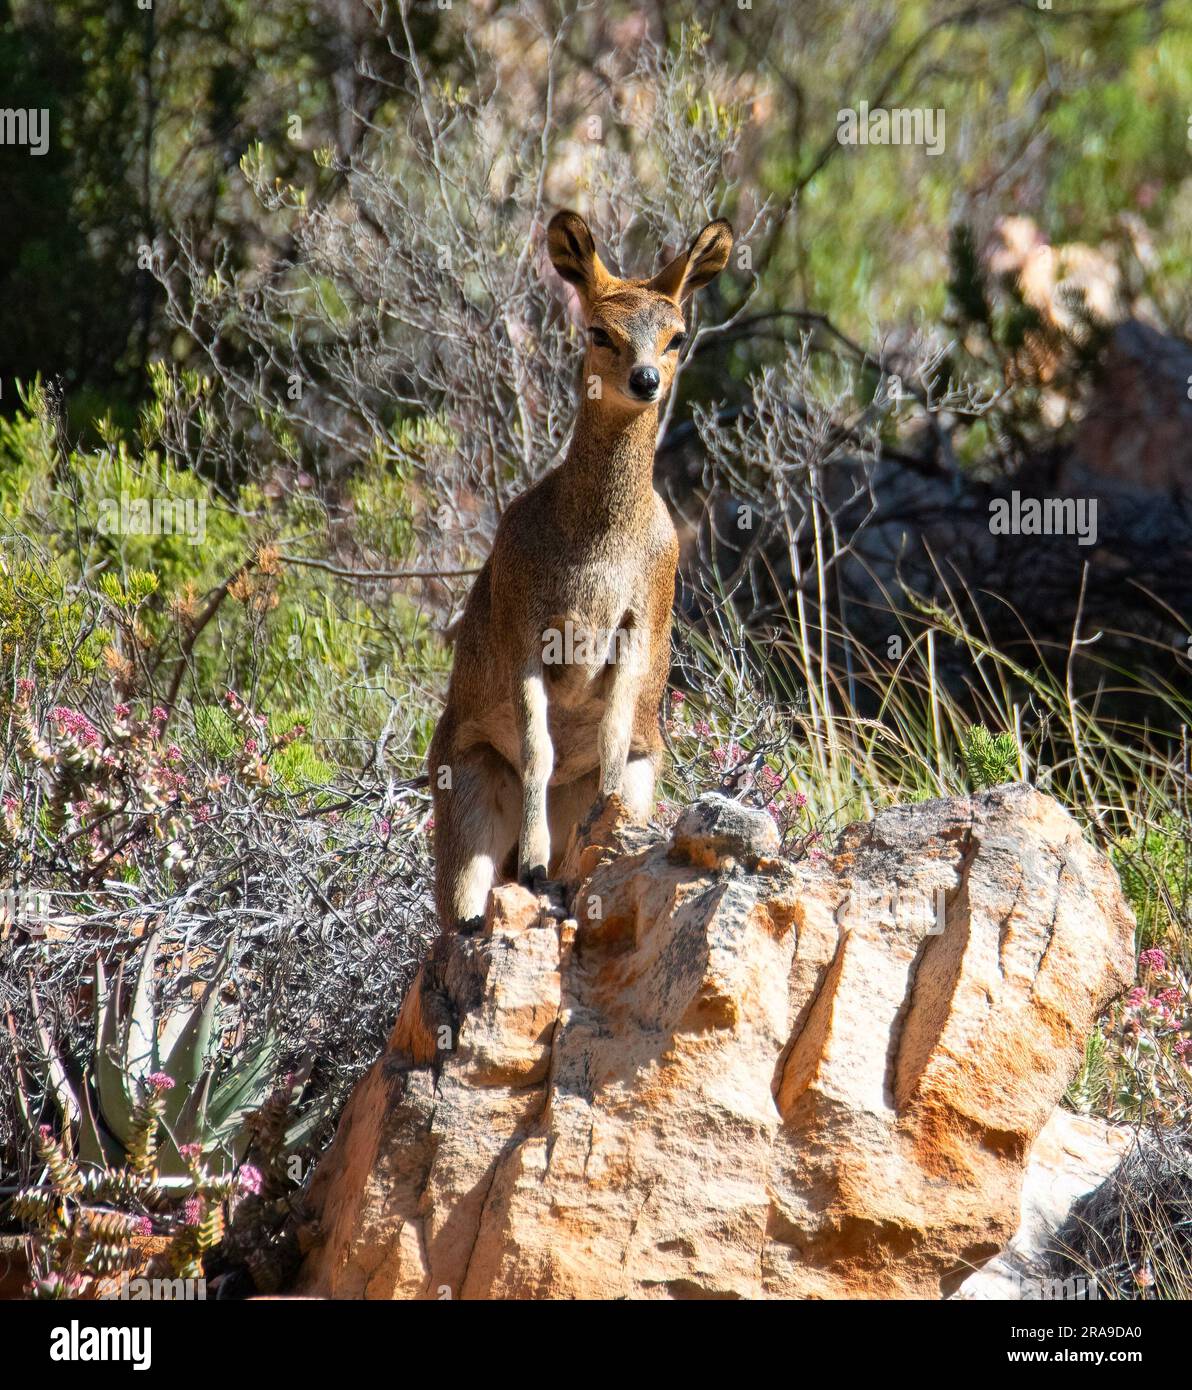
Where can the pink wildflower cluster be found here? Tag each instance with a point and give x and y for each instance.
(72, 724)
(109, 796)
(249, 1180)
(1152, 1038)
(254, 751)
(715, 760)
(727, 756)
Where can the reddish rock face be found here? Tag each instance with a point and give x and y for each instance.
(801, 1080)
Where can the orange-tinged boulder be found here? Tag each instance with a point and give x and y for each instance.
(730, 1076)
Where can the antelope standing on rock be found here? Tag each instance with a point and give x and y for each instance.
(563, 651)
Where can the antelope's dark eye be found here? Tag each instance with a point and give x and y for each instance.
(601, 339)
(676, 342)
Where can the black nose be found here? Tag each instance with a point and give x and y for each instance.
(643, 381)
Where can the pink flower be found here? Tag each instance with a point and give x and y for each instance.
(430, 824)
(189, 1151)
(251, 745)
(1136, 998)
(121, 711)
(677, 697)
(173, 753)
(383, 828)
(249, 1179)
(1171, 997)
(145, 1226)
(800, 800)
(234, 701)
(74, 724)
(768, 778)
(729, 756)
(46, 1132)
(1183, 1046)
(159, 1081)
(192, 1211)
(159, 715)
(702, 728)
(25, 688)
(1154, 959)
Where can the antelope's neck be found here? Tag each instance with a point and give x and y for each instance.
(608, 474)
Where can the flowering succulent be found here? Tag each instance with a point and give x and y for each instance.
(84, 1221)
(117, 795)
(108, 796)
(74, 727)
(1150, 1043)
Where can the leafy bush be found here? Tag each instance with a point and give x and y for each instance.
(316, 911)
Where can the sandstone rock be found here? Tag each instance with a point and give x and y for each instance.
(714, 830)
(823, 1080)
(1072, 1155)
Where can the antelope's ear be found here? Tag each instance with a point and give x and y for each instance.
(572, 252)
(703, 260)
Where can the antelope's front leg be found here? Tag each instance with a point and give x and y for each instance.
(616, 723)
(537, 763)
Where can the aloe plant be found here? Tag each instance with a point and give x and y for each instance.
(134, 1050)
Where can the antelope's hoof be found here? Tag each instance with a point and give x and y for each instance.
(533, 878)
(551, 890)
